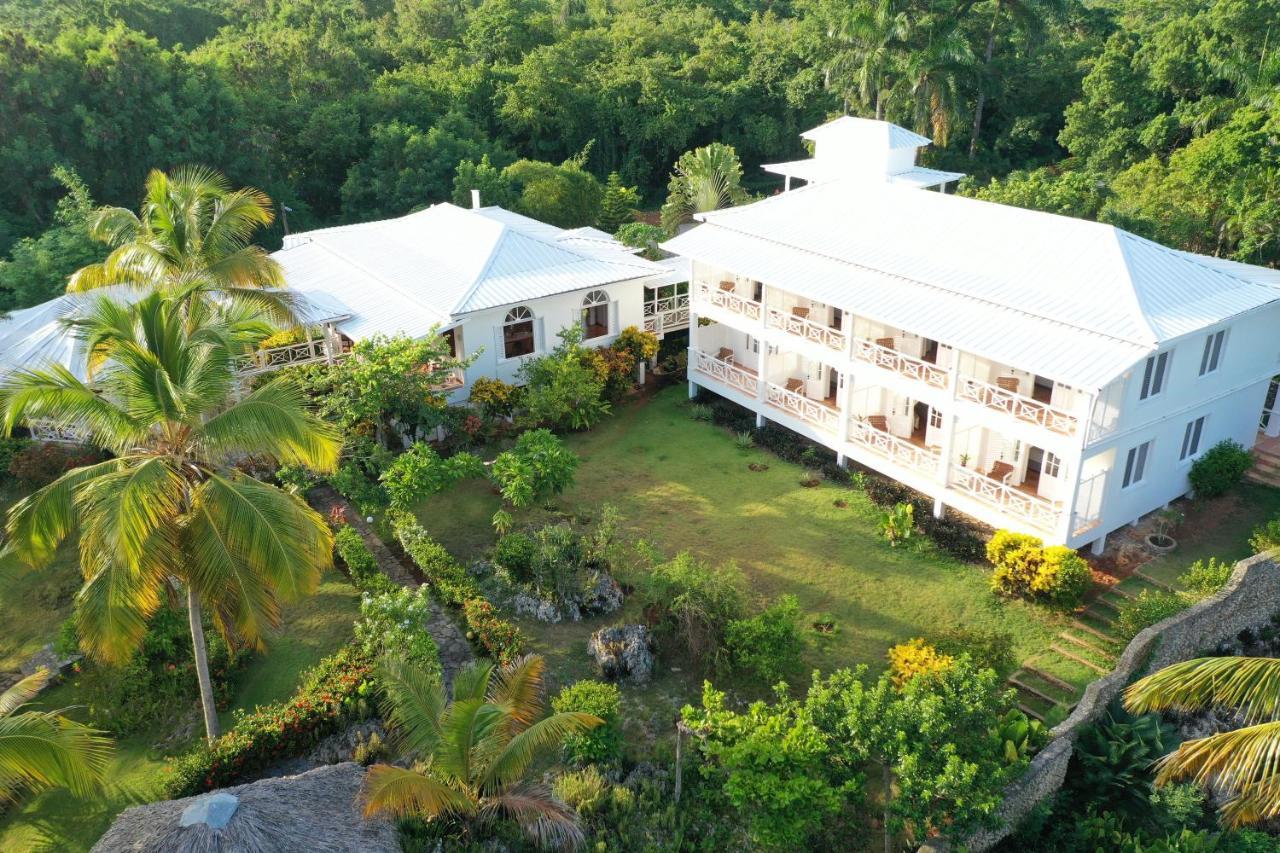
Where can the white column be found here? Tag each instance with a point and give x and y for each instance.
(693, 345)
(1067, 523)
(762, 366)
(1098, 545)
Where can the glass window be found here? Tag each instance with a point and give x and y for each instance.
(1212, 355)
(1191, 438)
(1051, 466)
(1135, 465)
(1153, 375)
(517, 332)
(595, 315)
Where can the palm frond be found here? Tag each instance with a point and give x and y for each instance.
(1251, 685)
(274, 420)
(397, 791)
(1243, 764)
(517, 688)
(23, 692)
(547, 821)
(39, 749)
(114, 605)
(40, 522)
(414, 705)
(55, 394)
(472, 681)
(511, 763)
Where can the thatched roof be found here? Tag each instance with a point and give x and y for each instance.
(314, 811)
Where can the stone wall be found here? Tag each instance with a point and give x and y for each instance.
(1248, 600)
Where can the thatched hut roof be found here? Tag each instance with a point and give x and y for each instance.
(314, 811)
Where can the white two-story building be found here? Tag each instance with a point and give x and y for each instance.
(1036, 372)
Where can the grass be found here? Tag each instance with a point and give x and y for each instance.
(55, 820)
(1217, 528)
(685, 485)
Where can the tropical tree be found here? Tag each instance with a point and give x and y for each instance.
(1032, 15)
(169, 512)
(191, 236)
(44, 749)
(1240, 764)
(475, 752)
(704, 179)
(863, 43)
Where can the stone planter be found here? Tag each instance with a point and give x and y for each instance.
(1161, 544)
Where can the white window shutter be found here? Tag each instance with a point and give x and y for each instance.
(539, 336)
(613, 317)
(499, 346)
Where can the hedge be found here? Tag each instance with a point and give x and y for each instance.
(362, 566)
(499, 637)
(336, 692)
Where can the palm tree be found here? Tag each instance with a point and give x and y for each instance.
(1243, 764)
(1033, 15)
(705, 179)
(868, 42)
(191, 236)
(475, 751)
(168, 511)
(43, 749)
(930, 81)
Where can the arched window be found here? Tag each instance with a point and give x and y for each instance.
(595, 315)
(517, 332)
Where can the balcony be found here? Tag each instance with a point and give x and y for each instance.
(1031, 508)
(1009, 401)
(899, 451)
(797, 322)
(814, 412)
(724, 370)
(305, 352)
(881, 354)
(725, 296)
(666, 314)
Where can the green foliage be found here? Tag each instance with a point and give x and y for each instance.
(497, 399)
(336, 692)
(38, 268)
(989, 649)
(617, 205)
(566, 195)
(420, 472)
(562, 389)
(10, 447)
(538, 467)
(1265, 537)
(35, 465)
(767, 645)
(898, 524)
(638, 344)
(914, 658)
(1150, 607)
(1113, 760)
(361, 565)
(1205, 579)
(1055, 575)
(704, 179)
(1019, 736)
(643, 236)
(515, 552)
(1068, 193)
(603, 744)
(692, 605)
(1219, 468)
(495, 188)
(396, 621)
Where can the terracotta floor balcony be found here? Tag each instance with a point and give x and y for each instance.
(1017, 500)
(790, 398)
(725, 296)
(882, 354)
(797, 323)
(912, 453)
(1004, 397)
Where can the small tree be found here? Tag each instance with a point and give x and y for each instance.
(618, 206)
(704, 179)
(420, 472)
(602, 744)
(566, 195)
(562, 388)
(643, 236)
(694, 604)
(538, 467)
(897, 524)
(1219, 468)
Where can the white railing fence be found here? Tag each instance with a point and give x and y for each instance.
(729, 374)
(810, 411)
(729, 300)
(900, 363)
(1021, 407)
(303, 352)
(922, 460)
(43, 429)
(664, 315)
(1033, 509)
(803, 327)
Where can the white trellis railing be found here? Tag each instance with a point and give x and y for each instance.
(666, 314)
(810, 411)
(729, 300)
(42, 429)
(803, 327)
(303, 352)
(730, 374)
(1033, 509)
(900, 363)
(897, 450)
(1021, 407)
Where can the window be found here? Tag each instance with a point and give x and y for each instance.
(517, 332)
(1153, 375)
(1191, 438)
(757, 291)
(1051, 465)
(1212, 352)
(935, 417)
(1135, 465)
(595, 315)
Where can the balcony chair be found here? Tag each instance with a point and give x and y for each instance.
(728, 286)
(879, 422)
(802, 313)
(1000, 472)
(795, 385)
(887, 343)
(725, 354)
(1007, 383)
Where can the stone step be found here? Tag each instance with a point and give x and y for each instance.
(1027, 688)
(1030, 712)
(1085, 644)
(1118, 591)
(1159, 584)
(1070, 655)
(1089, 629)
(1110, 605)
(1052, 679)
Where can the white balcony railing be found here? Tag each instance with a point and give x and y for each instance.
(729, 300)
(454, 378)
(43, 429)
(726, 372)
(664, 315)
(900, 363)
(810, 411)
(803, 327)
(899, 451)
(1033, 509)
(265, 360)
(1021, 407)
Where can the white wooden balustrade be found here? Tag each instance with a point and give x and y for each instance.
(729, 300)
(901, 452)
(1019, 406)
(663, 315)
(730, 374)
(810, 411)
(803, 327)
(303, 352)
(900, 363)
(1033, 509)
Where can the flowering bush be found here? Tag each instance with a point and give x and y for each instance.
(500, 638)
(362, 566)
(337, 691)
(641, 346)
(1024, 566)
(915, 657)
(496, 398)
(39, 465)
(396, 621)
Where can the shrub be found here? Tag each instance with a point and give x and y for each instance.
(1147, 609)
(691, 605)
(337, 691)
(640, 345)
(11, 446)
(37, 465)
(1266, 536)
(558, 567)
(700, 412)
(515, 552)
(616, 369)
(362, 566)
(744, 440)
(420, 472)
(986, 648)
(1219, 468)
(1204, 579)
(603, 744)
(643, 236)
(497, 636)
(396, 621)
(897, 524)
(915, 657)
(767, 644)
(560, 389)
(496, 398)
(1024, 567)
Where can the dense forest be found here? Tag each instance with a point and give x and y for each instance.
(1158, 115)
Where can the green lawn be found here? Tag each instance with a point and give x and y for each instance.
(682, 484)
(55, 820)
(1217, 528)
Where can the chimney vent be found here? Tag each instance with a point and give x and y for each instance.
(475, 199)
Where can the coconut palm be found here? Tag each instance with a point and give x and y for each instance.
(169, 512)
(705, 179)
(191, 237)
(867, 44)
(1243, 764)
(476, 751)
(43, 749)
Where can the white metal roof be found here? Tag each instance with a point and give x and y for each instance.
(408, 274)
(889, 135)
(1073, 300)
(816, 171)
